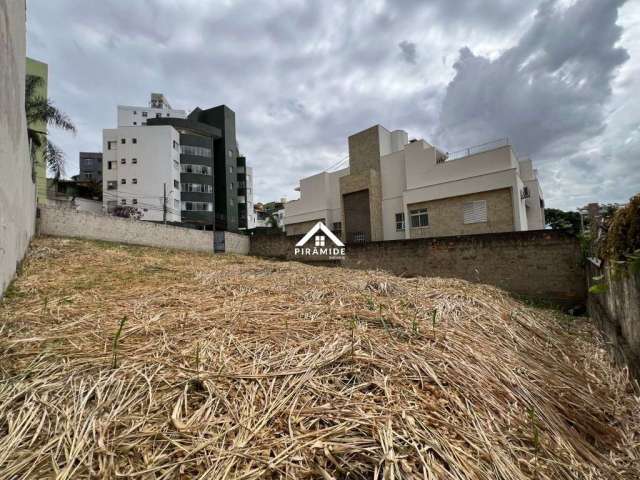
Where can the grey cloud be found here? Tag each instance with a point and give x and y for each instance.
(548, 93)
(408, 50)
(302, 76)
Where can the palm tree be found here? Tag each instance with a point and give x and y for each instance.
(41, 110)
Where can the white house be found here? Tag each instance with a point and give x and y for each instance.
(396, 189)
(141, 169)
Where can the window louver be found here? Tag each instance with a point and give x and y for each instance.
(475, 212)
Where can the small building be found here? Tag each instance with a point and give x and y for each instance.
(396, 189)
(90, 164)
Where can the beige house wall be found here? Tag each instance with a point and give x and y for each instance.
(446, 215)
(303, 227)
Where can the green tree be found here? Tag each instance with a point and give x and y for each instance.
(560, 220)
(42, 109)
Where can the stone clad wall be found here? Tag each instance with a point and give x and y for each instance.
(446, 215)
(542, 265)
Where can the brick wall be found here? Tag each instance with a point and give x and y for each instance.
(446, 215)
(543, 265)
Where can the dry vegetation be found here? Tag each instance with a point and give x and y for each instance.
(231, 367)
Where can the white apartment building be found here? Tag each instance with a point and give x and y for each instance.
(141, 169)
(395, 189)
(251, 214)
(129, 116)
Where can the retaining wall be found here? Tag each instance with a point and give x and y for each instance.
(66, 222)
(617, 313)
(543, 265)
(17, 176)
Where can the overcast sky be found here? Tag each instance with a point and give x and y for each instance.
(560, 79)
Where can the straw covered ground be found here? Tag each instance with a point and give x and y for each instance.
(236, 367)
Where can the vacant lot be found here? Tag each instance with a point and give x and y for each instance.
(143, 363)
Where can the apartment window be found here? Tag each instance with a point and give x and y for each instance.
(196, 187)
(419, 218)
(134, 112)
(167, 114)
(123, 181)
(475, 212)
(135, 123)
(134, 160)
(197, 206)
(123, 140)
(134, 140)
(176, 184)
(230, 153)
(195, 151)
(112, 185)
(399, 222)
(158, 115)
(110, 143)
(134, 181)
(144, 114)
(231, 202)
(123, 161)
(123, 201)
(200, 169)
(230, 169)
(88, 175)
(109, 165)
(175, 145)
(134, 201)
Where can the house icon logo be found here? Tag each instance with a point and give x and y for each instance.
(323, 238)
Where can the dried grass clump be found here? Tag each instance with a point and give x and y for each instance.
(230, 367)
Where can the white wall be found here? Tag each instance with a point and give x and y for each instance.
(131, 116)
(17, 188)
(251, 214)
(65, 222)
(158, 162)
(319, 198)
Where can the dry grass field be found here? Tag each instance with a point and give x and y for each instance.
(132, 362)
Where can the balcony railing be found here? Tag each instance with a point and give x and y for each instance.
(474, 149)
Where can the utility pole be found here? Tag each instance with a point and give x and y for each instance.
(164, 203)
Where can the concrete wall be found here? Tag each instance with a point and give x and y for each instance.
(65, 222)
(446, 215)
(236, 243)
(617, 312)
(543, 265)
(17, 187)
